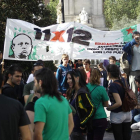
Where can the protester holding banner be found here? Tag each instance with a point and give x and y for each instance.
(61, 73)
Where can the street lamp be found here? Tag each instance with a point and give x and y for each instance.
(63, 17)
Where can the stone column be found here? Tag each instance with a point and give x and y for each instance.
(71, 7)
(69, 10)
(66, 7)
(98, 20)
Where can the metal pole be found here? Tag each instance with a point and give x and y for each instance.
(63, 17)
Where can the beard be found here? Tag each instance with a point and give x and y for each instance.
(37, 89)
(22, 56)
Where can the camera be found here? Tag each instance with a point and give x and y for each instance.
(138, 38)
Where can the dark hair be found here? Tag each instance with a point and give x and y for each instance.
(1, 80)
(101, 66)
(112, 57)
(135, 33)
(76, 73)
(113, 70)
(137, 78)
(49, 82)
(83, 73)
(115, 73)
(11, 70)
(82, 80)
(86, 61)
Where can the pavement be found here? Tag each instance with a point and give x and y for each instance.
(135, 135)
(109, 135)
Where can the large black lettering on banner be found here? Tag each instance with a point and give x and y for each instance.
(39, 34)
(83, 35)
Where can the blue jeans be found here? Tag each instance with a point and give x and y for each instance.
(137, 118)
(134, 113)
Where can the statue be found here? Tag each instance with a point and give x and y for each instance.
(59, 12)
(83, 16)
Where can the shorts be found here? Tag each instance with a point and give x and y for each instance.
(120, 117)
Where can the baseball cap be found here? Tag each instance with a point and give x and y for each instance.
(38, 64)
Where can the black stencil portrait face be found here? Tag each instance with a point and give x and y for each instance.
(21, 46)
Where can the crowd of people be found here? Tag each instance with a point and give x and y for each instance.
(72, 104)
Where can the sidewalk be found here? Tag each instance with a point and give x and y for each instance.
(135, 135)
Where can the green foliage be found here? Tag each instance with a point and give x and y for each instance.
(124, 22)
(115, 10)
(52, 7)
(24, 10)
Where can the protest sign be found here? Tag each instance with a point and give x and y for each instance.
(28, 42)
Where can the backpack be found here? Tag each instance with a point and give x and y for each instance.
(124, 64)
(129, 101)
(89, 121)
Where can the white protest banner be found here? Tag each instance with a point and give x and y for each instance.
(28, 42)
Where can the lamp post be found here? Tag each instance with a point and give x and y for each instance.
(63, 17)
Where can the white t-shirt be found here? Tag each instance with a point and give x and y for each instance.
(30, 78)
(136, 58)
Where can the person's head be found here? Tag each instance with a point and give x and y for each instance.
(137, 81)
(95, 76)
(112, 60)
(136, 33)
(21, 46)
(75, 78)
(86, 64)
(1, 55)
(79, 61)
(37, 66)
(65, 59)
(46, 83)
(113, 71)
(101, 67)
(14, 75)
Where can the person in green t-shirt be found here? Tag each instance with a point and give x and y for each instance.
(53, 115)
(100, 99)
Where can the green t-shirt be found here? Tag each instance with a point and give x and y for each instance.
(98, 96)
(55, 115)
(28, 88)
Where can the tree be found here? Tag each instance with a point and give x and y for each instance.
(23, 10)
(116, 9)
(52, 7)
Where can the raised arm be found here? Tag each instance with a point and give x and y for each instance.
(127, 47)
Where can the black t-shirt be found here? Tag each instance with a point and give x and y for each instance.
(9, 91)
(79, 65)
(12, 116)
(30, 105)
(115, 88)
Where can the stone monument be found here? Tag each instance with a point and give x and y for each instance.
(93, 9)
(83, 18)
(59, 12)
